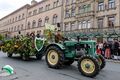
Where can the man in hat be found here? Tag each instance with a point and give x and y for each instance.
(58, 36)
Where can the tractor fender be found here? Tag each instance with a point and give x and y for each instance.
(62, 47)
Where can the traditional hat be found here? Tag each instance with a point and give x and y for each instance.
(8, 69)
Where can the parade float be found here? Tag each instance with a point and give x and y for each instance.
(58, 50)
(24, 46)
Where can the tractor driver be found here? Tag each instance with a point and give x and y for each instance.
(58, 36)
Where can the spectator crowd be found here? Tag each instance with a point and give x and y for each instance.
(109, 49)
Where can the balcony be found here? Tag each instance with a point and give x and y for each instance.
(104, 32)
(86, 14)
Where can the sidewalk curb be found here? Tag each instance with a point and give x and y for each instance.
(114, 61)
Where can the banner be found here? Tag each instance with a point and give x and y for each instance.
(49, 27)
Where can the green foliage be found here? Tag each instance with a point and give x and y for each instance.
(1, 37)
(22, 45)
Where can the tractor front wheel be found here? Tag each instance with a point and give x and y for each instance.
(88, 66)
(54, 57)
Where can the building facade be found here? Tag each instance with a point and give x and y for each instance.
(46, 11)
(74, 15)
(32, 18)
(87, 16)
(79, 14)
(14, 22)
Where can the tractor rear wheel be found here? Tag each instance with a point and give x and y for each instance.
(9, 54)
(39, 56)
(54, 57)
(25, 57)
(101, 61)
(88, 66)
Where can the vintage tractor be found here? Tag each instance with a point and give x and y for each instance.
(66, 52)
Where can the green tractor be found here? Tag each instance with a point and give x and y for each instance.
(66, 52)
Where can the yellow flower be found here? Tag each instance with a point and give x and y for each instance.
(2, 46)
(16, 46)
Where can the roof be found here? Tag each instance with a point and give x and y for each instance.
(37, 4)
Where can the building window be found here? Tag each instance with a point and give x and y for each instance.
(15, 28)
(13, 19)
(67, 13)
(18, 28)
(16, 19)
(55, 17)
(73, 1)
(80, 10)
(88, 24)
(9, 29)
(46, 19)
(28, 25)
(80, 25)
(55, 4)
(33, 24)
(23, 16)
(19, 17)
(12, 29)
(67, 27)
(10, 20)
(22, 27)
(39, 23)
(101, 5)
(88, 7)
(84, 24)
(84, 8)
(111, 22)
(40, 9)
(111, 4)
(35, 12)
(73, 26)
(67, 2)
(47, 7)
(30, 13)
(73, 11)
(100, 23)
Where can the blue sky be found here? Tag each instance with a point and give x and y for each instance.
(8, 6)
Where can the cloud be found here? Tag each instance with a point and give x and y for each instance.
(8, 6)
